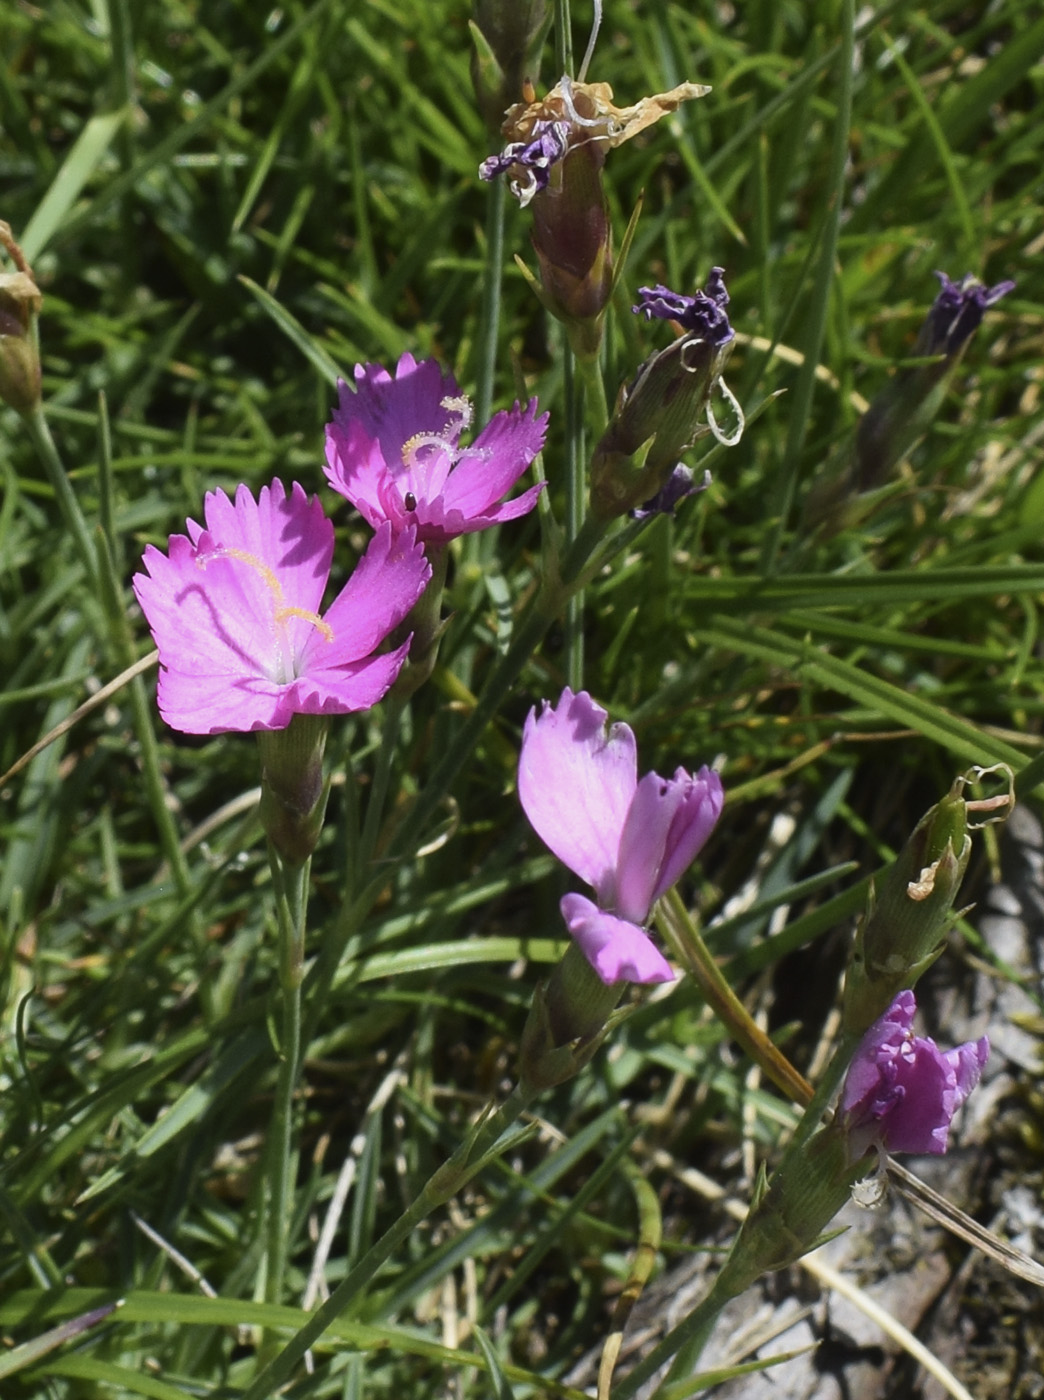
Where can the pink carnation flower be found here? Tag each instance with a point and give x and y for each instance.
(902, 1091)
(629, 839)
(394, 450)
(234, 610)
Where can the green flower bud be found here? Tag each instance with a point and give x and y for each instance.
(293, 789)
(567, 1022)
(905, 929)
(667, 408)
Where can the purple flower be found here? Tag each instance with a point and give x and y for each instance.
(234, 610)
(393, 449)
(630, 840)
(702, 314)
(902, 1091)
(531, 160)
(957, 313)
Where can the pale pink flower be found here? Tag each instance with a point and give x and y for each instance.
(629, 839)
(234, 610)
(393, 448)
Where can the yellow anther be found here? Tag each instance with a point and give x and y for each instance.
(323, 628)
(267, 574)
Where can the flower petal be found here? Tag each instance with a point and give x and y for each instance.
(617, 950)
(386, 583)
(667, 824)
(495, 461)
(575, 783)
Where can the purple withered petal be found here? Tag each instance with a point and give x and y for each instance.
(901, 1091)
(957, 313)
(530, 161)
(617, 949)
(680, 484)
(234, 610)
(667, 824)
(575, 783)
(703, 314)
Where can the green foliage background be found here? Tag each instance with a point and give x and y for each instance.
(225, 207)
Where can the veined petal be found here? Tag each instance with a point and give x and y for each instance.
(387, 581)
(667, 824)
(575, 783)
(618, 951)
(394, 410)
(498, 457)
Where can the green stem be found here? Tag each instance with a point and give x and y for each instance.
(489, 330)
(681, 934)
(563, 38)
(546, 606)
(393, 708)
(450, 1178)
(691, 1333)
(576, 483)
(291, 891)
(819, 302)
(75, 523)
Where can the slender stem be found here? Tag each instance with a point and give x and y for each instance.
(468, 1159)
(489, 330)
(393, 708)
(681, 933)
(291, 890)
(563, 37)
(576, 482)
(691, 1333)
(819, 300)
(75, 523)
(546, 606)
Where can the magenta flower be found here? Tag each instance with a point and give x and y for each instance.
(234, 610)
(394, 450)
(902, 1091)
(630, 840)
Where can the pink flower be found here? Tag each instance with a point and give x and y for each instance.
(393, 449)
(902, 1091)
(234, 610)
(630, 840)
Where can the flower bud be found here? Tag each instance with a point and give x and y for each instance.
(293, 789)
(20, 303)
(508, 35)
(906, 926)
(566, 1023)
(905, 408)
(554, 157)
(667, 408)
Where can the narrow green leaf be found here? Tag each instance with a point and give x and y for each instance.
(76, 169)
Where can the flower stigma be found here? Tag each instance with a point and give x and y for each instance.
(282, 611)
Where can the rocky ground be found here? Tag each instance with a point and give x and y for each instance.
(984, 1324)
